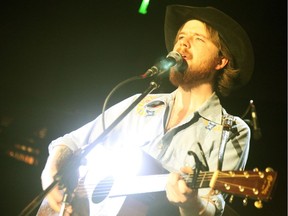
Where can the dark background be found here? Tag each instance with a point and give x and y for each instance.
(60, 59)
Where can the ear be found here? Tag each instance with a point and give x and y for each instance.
(222, 63)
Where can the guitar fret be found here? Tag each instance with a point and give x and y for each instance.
(202, 181)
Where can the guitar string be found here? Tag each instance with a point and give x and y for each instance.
(106, 185)
(199, 179)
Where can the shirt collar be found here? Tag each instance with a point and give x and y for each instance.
(210, 110)
(161, 99)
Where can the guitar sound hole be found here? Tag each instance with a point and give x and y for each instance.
(102, 189)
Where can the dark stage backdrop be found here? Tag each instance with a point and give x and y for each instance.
(60, 59)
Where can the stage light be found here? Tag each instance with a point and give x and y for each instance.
(144, 6)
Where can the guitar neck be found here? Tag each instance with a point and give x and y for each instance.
(253, 184)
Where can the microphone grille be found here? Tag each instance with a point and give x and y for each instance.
(176, 56)
(181, 63)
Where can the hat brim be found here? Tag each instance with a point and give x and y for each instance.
(233, 35)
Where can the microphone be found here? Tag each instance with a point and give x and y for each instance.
(172, 59)
(256, 129)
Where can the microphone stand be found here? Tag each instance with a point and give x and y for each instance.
(64, 174)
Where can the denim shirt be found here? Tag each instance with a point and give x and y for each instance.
(144, 127)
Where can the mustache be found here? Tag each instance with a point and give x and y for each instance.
(184, 53)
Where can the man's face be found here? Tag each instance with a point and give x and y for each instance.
(194, 44)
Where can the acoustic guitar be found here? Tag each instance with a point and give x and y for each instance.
(144, 195)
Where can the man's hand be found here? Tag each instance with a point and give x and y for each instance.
(55, 160)
(179, 194)
(177, 190)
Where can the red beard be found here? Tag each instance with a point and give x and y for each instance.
(191, 77)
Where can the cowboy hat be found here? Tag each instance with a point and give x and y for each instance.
(233, 35)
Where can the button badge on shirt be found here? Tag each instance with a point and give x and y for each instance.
(210, 125)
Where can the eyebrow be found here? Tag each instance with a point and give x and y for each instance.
(202, 36)
(197, 34)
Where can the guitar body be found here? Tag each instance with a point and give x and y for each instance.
(95, 194)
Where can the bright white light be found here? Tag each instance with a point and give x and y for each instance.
(123, 164)
(116, 162)
(127, 161)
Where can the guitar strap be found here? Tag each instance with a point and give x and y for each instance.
(227, 122)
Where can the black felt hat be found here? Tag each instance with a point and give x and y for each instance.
(233, 35)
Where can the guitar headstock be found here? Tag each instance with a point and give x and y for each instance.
(257, 185)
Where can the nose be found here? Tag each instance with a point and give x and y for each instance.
(185, 42)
